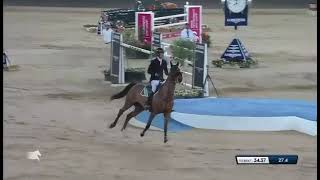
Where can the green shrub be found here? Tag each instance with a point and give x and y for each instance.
(242, 64)
(129, 38)
(183, 50)
(188, 93)
(141, 35)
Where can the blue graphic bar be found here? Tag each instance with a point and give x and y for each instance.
(283, 159)
(267, 159)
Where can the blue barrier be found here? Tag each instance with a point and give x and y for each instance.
(253, 114)
(245, 107)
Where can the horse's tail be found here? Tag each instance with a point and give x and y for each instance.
(123, 92)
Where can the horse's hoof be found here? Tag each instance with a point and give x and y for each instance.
(112, 125)
(141, 134)
(165, 140)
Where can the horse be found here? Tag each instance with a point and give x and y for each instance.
(169, 5)
(34, 155)
(162, 101)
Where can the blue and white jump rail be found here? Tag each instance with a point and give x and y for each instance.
(255, 114)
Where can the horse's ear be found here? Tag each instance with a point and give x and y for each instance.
(177, 64)
(171, 64)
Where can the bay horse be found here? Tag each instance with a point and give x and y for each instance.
(162, 101)
(169, 5)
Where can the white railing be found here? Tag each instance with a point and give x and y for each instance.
(185, 72)
(172, 16)
(172, 24)
(136, 48)
(186, 84)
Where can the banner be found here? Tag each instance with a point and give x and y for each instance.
(144, 25)
(235, 19)
(199, 66)
(194, 19)
(4, 60)
(115, 72)
(157, 37)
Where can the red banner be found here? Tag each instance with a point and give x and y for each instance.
(145, 25)
(194, 20)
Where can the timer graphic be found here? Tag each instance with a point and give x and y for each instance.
(267, 159)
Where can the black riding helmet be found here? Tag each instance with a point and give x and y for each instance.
(159, 50)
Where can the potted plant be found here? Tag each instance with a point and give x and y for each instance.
(206, 38)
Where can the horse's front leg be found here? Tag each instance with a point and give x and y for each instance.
(152, 115)
(165, 127)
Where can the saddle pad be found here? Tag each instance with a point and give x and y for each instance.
(146, 91)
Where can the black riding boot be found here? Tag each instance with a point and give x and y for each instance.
(149, 103)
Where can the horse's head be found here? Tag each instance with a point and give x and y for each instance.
(175, 72)
(37, 153)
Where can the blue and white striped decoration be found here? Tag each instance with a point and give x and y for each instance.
(243, 114)
(235, 51)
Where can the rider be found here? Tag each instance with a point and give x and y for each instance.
(156, 68)
(187, 33)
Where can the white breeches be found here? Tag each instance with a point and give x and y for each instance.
(155, 84)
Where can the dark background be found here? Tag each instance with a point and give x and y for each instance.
(207, 4)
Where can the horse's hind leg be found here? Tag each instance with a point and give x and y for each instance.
(121, 111)
(138, 109)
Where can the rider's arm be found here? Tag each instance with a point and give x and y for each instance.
(150, 68)
(166, 69)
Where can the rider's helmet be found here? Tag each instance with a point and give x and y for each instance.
(159, 50)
